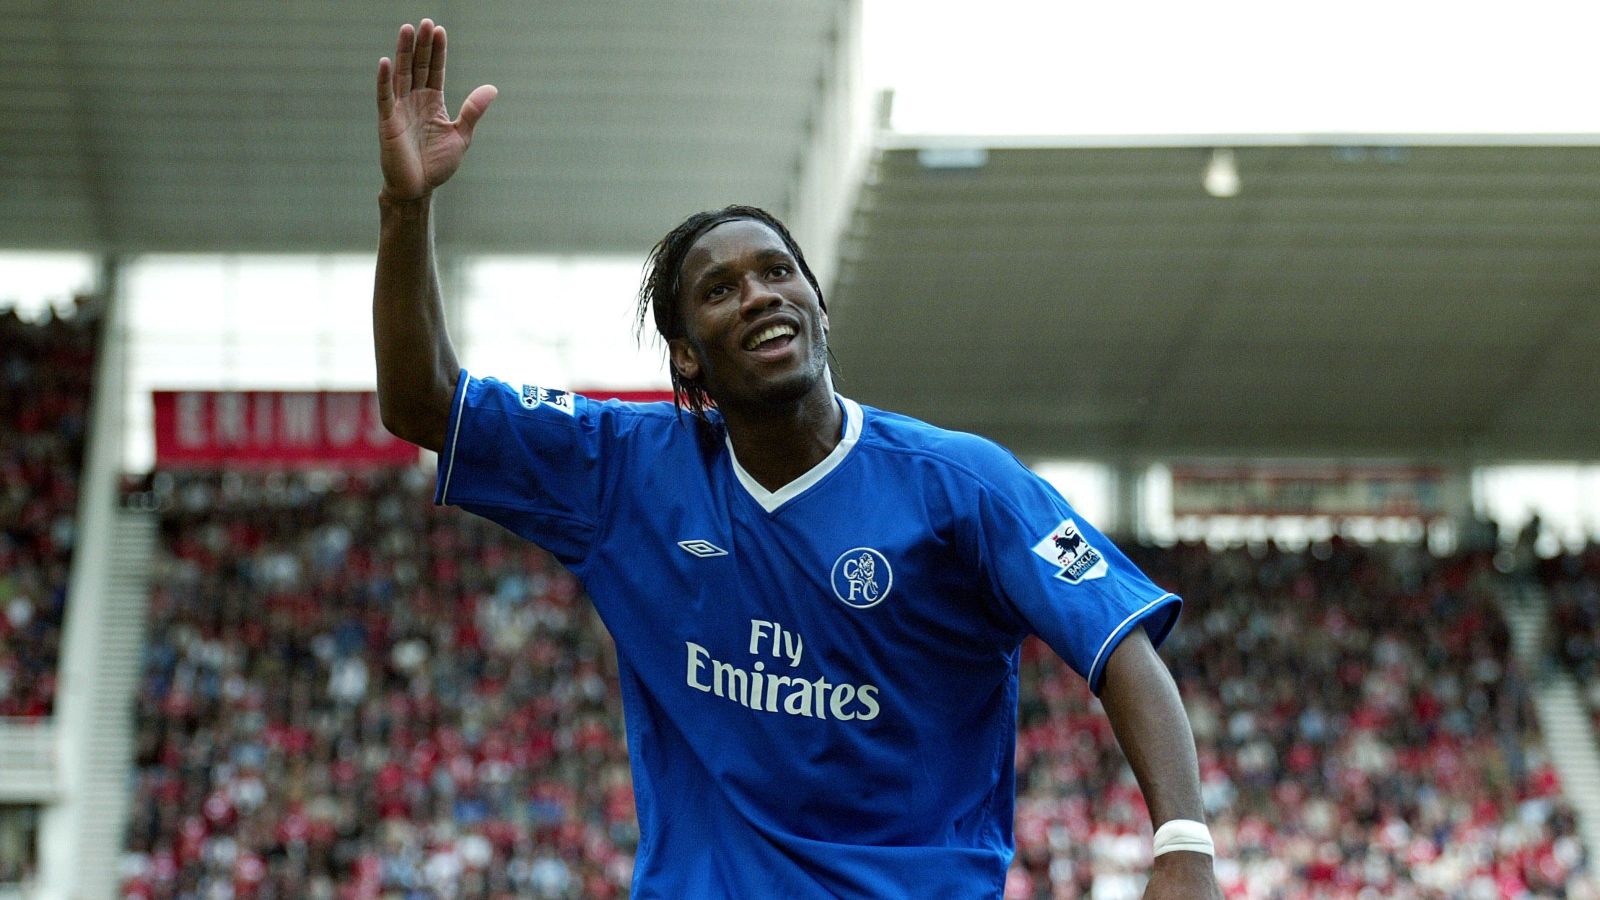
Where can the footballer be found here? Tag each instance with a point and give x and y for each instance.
(817, 605)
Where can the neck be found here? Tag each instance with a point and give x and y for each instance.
(778, 443)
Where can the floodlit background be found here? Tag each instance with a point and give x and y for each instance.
(1244, 68)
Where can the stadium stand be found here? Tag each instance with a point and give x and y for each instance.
(46, 372)
(349, 694)
(1363, 732)
(1571, 581)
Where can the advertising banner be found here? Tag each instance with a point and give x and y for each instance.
(1307, 490)
(214, 429)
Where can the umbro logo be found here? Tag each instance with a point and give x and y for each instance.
(702, 549)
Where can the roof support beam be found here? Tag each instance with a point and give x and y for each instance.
(831, 167)
(83, 128)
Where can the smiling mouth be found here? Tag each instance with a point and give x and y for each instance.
(770, 337)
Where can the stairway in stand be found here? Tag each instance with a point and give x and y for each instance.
(1563, 716)
(109, 743)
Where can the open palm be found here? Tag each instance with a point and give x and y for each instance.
(420, 146)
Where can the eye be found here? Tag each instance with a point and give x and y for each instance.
(717, 291)
(781, 270)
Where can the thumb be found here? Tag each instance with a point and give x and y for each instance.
(473, 108)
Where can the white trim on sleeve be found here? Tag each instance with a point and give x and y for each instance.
(1095, 666)
(444, 492)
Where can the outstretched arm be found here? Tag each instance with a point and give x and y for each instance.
(420, 147)
(1147, 716)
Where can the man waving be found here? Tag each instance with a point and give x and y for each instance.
(817, 605)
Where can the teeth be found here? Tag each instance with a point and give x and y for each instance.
(767, 334)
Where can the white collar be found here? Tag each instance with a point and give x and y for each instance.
(771, 500)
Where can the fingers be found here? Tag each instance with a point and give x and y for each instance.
(436, 71)
(385, 88)
(424, 54)
(418, 63)
(402, 60)
(473, 108)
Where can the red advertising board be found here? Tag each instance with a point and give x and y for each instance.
(639, 396)
(274, 428)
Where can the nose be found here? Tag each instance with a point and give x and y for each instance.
(758, 297)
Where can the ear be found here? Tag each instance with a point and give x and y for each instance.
(824, 321)
(684, 360)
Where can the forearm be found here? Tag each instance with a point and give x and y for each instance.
(417, 368)
(1146, 713)
(1148, 718)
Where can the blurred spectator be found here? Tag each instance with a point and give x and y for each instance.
(46, 369)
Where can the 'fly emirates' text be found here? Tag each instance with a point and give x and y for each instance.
(759, 689)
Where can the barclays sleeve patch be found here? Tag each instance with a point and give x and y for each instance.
(535, 397)
(1067, 548)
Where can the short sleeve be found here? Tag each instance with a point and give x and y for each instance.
(1060, 576)
(528, 458)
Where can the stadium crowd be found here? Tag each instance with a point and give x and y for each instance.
(46, 370)
(349, 694)
(1363, 732)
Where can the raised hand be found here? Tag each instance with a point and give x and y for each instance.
(420, 146)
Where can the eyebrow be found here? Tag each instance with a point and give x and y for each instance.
(724, 269)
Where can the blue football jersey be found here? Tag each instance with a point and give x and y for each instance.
(819, 683)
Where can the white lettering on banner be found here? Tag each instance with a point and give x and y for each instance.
(281, 424)
(299, 413)
(191, 419)
(229, 418)
(341, 418)
(756, 688)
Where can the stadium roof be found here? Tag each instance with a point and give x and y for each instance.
(1429, 297)
(197, 127)
(1436, 302)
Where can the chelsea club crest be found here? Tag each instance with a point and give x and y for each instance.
(862, 577)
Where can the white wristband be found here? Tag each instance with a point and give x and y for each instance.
(1184, 834)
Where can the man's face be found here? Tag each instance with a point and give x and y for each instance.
(756, 332)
